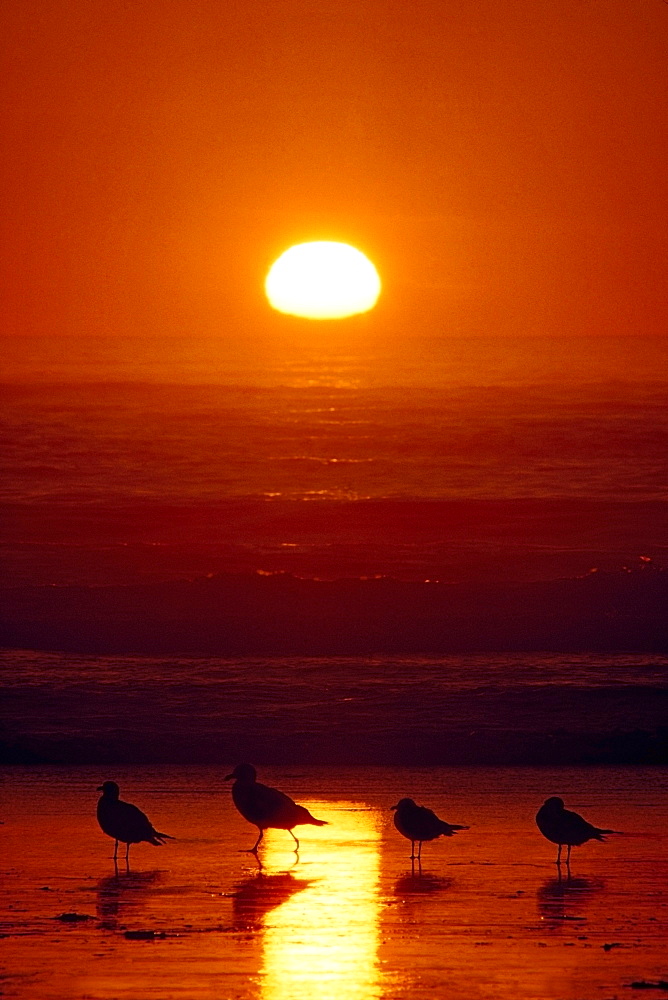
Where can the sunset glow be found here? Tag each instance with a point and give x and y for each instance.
(322, 280)
(334, 423)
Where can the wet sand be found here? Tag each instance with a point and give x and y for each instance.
(349, 919)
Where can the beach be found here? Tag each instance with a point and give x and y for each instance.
(486, 914)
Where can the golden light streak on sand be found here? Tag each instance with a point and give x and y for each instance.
(322, 942)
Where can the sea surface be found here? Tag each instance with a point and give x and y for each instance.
(127, 460)
(314, 544)
(511, 708)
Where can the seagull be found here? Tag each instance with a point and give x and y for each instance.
(267, 807)
(125, 822)
(419, 823)
(564, 827)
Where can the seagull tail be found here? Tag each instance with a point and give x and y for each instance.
(159, 837)
(302, 817)
(449, 829)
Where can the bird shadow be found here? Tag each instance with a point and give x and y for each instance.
(562, 899)
(257, 896)
(122, 892)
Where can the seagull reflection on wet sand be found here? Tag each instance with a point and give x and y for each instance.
(563, 899)
(420, 883)
(254, 898)
(120, 893)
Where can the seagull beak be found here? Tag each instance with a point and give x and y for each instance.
(394, 807)
(99, 788)
(228, 777)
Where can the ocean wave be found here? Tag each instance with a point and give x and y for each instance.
(470, 708)
(281, 614)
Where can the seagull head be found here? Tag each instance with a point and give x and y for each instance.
(109, 789)
(554, 803)
(403, 804)
(242, 772)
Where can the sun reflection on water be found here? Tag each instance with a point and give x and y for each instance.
(322, 942)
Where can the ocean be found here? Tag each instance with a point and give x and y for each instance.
(417, 541)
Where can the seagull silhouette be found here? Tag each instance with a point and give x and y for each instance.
(417, 823)
(267, 807)
(125, 822)
(564, 827)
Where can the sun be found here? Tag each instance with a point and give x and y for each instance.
(322, 280)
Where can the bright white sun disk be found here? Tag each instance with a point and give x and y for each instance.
(322, 280)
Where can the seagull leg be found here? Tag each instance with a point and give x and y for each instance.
(295, 840)
(115, 851)
(568, 861)
(559, 856)
(253, 849)
(127, 856)
(412, 850)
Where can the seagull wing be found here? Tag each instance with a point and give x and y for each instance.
(264, 806)
(138, 825)
(425, 824)
(576, 830)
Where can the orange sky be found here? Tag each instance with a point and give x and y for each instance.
(503, 162)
